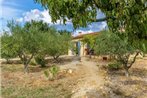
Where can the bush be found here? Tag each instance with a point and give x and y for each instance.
(40, 60)
(54, 70)
(114, 66)
(33, 62)
(51, 74)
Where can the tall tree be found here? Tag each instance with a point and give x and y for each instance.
(129, 15)
(28, 39)
(108, 43)
(126, 18)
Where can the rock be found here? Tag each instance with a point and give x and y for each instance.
(70, 71)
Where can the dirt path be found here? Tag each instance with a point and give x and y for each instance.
(91, 79)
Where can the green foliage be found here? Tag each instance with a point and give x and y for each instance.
(108, 43)
(78, 11)
(121, 15)
(82, 12)
(46, 73)
(54, 70)
(64, 32)
(114, 66)
(34, 38)
(51, 74)
(8, 46)
(25, 41)
(90, 40)
(120, 49)
(40, 60)
(58, 44)
(140, 45)
(33, 62)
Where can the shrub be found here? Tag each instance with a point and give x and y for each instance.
(51, 74)
(114, 66)
(48, 75)
(33, 62)
(40, 60)
(54, 70)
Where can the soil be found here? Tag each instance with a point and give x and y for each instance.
(91, 78)
(83, 78)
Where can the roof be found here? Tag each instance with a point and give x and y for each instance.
(82, 35)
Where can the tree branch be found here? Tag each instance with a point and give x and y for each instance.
(102, 19)
(20, 56)
(95, 3)
(134, 59)
(99, 20)
(30, 58)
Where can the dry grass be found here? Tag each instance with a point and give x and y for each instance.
(134, 86)
(16, 84)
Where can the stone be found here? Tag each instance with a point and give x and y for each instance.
(70, 71)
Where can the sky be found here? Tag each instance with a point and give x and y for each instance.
(27, 10)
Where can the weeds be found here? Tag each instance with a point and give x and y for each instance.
(52, 72)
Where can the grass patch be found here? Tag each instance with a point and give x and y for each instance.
(39, 92)
(12, 67)
(16, 84)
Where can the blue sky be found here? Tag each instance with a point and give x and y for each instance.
(26, 10)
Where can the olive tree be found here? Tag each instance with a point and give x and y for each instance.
(58, 44)
(28, 39)
(91, 41)
(129, 15)
(108, 43)
(7, 47)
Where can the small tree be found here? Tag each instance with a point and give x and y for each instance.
(8, 47)
(58, 44)
(109, 43)
(28, 40)
(91, 41)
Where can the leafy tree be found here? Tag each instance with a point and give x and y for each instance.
(89, 40)
(108, 43)
(120, 15)
(58, 44)
(8, 47)
(64, 31)
(126, 18)
(40, 59)
(129, 15)
(28, 39)
(34, 39)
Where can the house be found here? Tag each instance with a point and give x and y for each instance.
(80, 48)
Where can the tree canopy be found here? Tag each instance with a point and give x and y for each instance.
(34, 39)
(58, 44)
(27, 40)
(8, 46)
(108, 43)
(128, 15)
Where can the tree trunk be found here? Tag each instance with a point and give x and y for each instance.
(56, 58)
(80, 59)
(8, 61)
(90, 55)
(26, 61)
(26, 70)
(126, 71)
